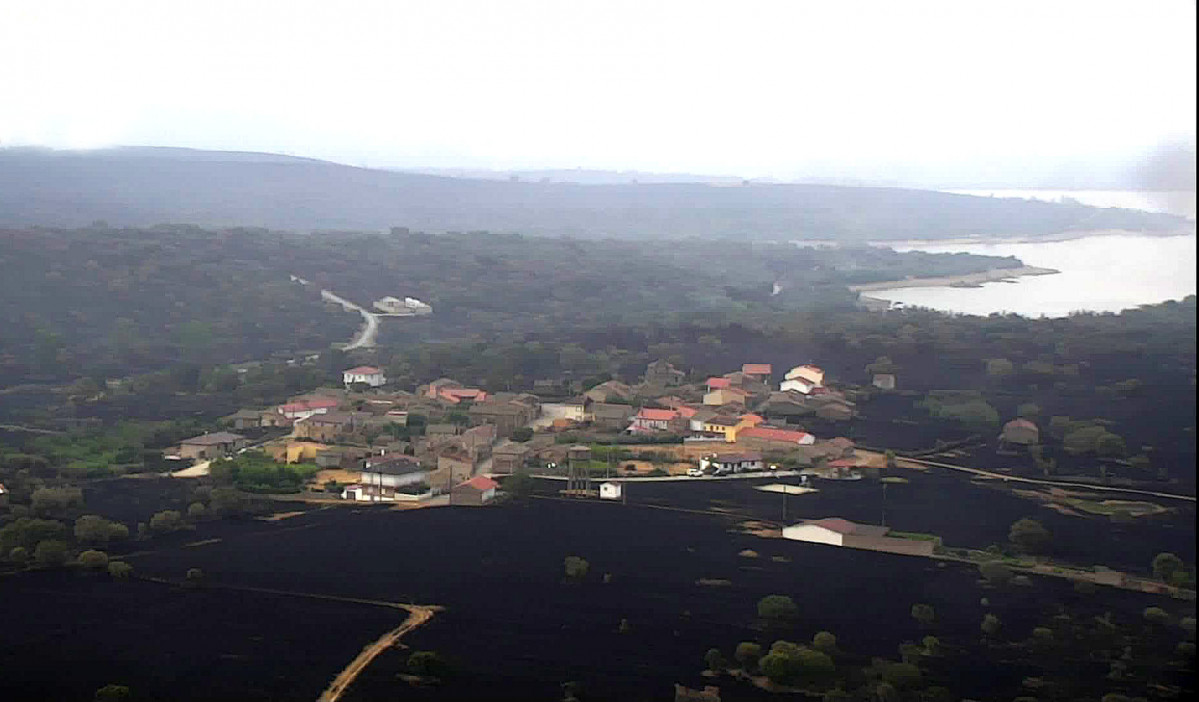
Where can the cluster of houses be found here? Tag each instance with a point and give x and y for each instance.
(350, 428)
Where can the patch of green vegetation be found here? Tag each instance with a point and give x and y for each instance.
(254, 471)
(1112, 507)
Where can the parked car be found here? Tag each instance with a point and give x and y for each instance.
(695, 472)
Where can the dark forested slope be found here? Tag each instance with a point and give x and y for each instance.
(138, 187)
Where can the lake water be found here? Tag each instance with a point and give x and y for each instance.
(1106, 273)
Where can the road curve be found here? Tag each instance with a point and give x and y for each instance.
(370, 328)
(417, 615)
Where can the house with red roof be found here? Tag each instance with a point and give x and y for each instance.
(651, 419)
(303, 409)
(760, 371)
(477, 491)
(368, 375)
(717, 383)
(835, 531)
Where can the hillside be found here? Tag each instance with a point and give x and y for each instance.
(146, 186)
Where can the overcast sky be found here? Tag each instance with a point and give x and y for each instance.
(747, 88)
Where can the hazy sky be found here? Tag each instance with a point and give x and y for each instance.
(746, 88)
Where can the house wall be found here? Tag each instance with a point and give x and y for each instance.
(798, 385)
(470, 496)
(369, 478)
(887, 544)
(813, 534)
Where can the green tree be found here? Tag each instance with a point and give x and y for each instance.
(777, 609)
(1029, 536)
(1110, 445)
(1028, 410)
(19, 555)
(93, 530)
(715, 660)
(522, 434)
(1165, 565)
(94, 560)
(51, 552)
(995, 573)
(119, 570)
(825, 641)
(748, 653)
(931, 644)
(194, 575)
(924, 614)
(226, 502)
(1059, 426)
(196, 511)
(1156, 615)
(901, 676)
(166, 521)
(55, 501)
(576, 568)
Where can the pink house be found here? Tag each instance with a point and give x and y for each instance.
(653, 419)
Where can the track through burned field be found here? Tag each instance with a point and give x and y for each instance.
(417, 616)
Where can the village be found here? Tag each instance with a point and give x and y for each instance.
(447, 443)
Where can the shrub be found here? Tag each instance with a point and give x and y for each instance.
(901, 676)
(196, 511)
(715, 660)
(924, 614)
(93, 530)
(748, 653)
(1165, 565)
(990, 624)
(19, 555)
(995, 572)
(522, 434)
(1155, 615)
(51, 552)
(1029, 536)
(825, 641)
(120, 570)
(576, 567)
(194, 575)
(777, 609)
(166, 521)
(93, 560)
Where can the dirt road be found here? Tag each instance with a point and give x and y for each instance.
(370, 327)
(417, 615)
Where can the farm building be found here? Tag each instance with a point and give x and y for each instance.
(478, 490)
(835, 531)
(610, 491)
(1021, 432)
(216, 444)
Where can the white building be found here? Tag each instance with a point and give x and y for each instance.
(610, 491)
(733, 462)
(799, 385)
(409, 306)
(364, 374)
(393, 471)
(808, 372)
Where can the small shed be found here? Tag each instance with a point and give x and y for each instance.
(1020, 432)
(884, 381)
(479, 490)
(610, 491)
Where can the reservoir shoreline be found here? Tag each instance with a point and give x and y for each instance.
(987, 276)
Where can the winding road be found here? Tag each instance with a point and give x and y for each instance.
(365, 337)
